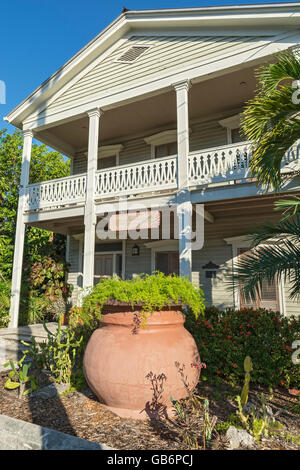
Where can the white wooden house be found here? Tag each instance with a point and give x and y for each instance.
(149, 114)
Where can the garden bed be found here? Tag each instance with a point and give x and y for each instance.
(80, 414)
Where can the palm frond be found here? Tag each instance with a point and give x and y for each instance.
(285, 229)
(287, 67)
(264, 263)
(271, 119)
(290, 207)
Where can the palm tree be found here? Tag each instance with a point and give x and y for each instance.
(272, 121)
(272, 118)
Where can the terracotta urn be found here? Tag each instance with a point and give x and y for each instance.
(135, 371)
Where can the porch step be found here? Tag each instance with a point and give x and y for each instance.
(11, 348)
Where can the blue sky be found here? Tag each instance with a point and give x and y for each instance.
(38, 36)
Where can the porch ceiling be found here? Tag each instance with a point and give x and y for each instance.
(216, 96)
(247, 206)
(66, 226)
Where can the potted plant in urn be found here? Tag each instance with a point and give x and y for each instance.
(142, 355)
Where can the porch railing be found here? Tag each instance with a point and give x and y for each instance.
(56, 193)
(218, 164)
(151, 175)
(228, 162)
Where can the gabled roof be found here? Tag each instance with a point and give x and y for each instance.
(285, 15)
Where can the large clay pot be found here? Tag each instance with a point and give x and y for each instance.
(135, 373)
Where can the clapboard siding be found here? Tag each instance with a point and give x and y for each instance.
(136, 265)
(166, 53)
(79, 164)
(206, 135)
(134, 151)
(74, 276)
(216, 291)
(292, 306)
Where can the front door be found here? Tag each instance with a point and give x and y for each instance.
(103, 267)
(167, 262)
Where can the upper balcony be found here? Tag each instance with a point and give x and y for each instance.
(217, 165)
(146, 136)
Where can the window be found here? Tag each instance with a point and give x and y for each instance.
(163, 144)
(165, 150)
(266, 297)
(236, 136)
(167, 262)
(108, 260)
(107, 162)
(233, 127)
(109, 156)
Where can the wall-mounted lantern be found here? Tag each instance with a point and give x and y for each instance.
(210, 270)
(135, 250)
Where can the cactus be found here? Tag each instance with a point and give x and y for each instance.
(245, 392)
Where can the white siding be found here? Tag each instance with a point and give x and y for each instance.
(216, 291)
(74, 276)
(167, 53)
(137, 264)
(207, 134)
(135, 150)
(79, 164)
(292, 306)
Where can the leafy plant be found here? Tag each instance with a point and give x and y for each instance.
(45, 165)
(224, 338)
(4, 302)
(267, 261)
(18, 377)
(245, 392)
(209, 424)
(255, 419)
(232, 420)
(257, 422)
(57, 354)
(271, 118)
(151, 292)
(48, 276)
(194, 422)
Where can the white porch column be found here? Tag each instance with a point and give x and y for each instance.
(90, 215)
(20, 232)
(184, 205)
(182, 104)
(184, 214)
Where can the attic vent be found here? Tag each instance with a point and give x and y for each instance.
(132, 54)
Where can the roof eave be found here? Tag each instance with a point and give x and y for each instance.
(123, 21)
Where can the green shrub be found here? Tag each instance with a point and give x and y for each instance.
(224, 338)
(150, 291)
(44, 291)
(48, 277)
(4, 303)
